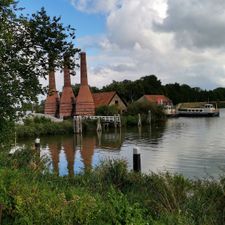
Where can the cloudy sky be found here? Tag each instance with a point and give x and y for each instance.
(177, 40)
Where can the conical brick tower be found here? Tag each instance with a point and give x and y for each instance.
(84, 102)
(52, 100)
(67, 100)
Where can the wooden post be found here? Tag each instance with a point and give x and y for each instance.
(99, 126)
(115, 123)
(136, 159)
(78, 124)
(149, 117)
(119, 122)
(139, 120)
(37, 144)
(74, 124)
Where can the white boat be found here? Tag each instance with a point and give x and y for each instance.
(170, 111)
(208, 110)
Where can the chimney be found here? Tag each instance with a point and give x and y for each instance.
(67, 100)
(52, 85)
(83, 69)
(51, 102)
(84, 102)
(67, 80)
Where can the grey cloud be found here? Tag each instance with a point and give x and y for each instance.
(196, 23)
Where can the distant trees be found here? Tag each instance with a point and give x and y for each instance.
(133, 90)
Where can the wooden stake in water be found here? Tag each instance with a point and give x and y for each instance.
(99, 126)
(149, 117)
(139, 119)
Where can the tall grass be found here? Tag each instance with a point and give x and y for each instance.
(42, 126)
(109, 194)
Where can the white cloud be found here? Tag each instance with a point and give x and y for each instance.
(95, 6)
(179, 41)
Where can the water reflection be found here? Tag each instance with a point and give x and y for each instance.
(191, 146)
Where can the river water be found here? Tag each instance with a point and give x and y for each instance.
(194, 147)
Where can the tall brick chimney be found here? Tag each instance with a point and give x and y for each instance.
(52, 100)
(84, 102)
(67, 100)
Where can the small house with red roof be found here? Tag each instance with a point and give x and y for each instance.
(156, 99)
(108, 99)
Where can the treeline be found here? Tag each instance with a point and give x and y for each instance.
(133, 90)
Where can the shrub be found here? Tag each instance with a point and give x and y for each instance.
(105, 110)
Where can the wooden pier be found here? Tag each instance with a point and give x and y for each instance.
(105, 120)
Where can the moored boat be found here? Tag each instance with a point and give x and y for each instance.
(170, 111)
(208, 110)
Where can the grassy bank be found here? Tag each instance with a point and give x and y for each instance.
(107, 195)
(42, 126)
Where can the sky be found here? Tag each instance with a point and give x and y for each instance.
(177, 40)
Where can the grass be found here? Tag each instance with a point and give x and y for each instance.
(109, 194)
(42, 126)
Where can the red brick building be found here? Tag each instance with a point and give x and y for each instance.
(156, 99)
(108, 99)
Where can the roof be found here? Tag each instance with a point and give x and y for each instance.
(157, 98)
(103, 98)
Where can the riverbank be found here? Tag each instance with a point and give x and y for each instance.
(41, 126)
(109, 194)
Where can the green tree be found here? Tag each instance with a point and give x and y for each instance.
(29, 48)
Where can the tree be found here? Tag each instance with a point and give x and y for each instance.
(29, 48)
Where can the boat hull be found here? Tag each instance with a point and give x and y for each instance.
(199, 114)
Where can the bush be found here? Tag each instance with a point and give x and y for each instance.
(42, 126)
(105, 110)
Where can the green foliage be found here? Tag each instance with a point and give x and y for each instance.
(133, 90)
(109, 194)
(29, 49)
(42, 126)
(106, 110)
(131, 116)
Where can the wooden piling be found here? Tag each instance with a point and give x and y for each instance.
(139, 120)
(149, 117)
(99, 126)
(78, 124)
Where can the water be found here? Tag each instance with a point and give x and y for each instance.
(194, 147)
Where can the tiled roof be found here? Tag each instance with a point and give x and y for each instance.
(103, 98)
(157, 98)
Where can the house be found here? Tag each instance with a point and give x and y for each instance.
(108, 99)
(156, 99)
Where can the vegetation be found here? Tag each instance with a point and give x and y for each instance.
(131, 91)
(109, 194)
(29, 48)
(35, 127)
(106, 110)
